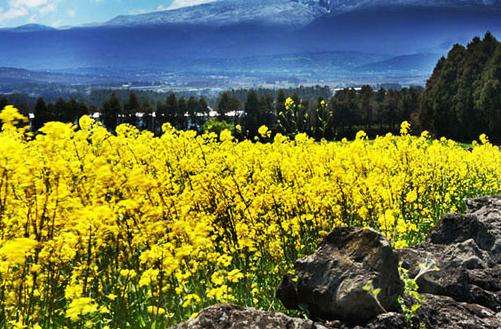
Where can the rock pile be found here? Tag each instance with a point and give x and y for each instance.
(353, 281)
(234, 317)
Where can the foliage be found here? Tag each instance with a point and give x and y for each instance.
(135, 231)
(218, 126)
(462, 97)
(411, 301)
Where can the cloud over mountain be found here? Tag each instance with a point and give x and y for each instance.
(176, 4)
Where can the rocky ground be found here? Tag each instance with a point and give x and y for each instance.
(353, 281)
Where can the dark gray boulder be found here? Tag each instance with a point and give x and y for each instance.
(439, 312)
(444, 312)
(466, 251)
(391, 320)
(482, 223)
(436, 312)
(341, 280)
(234, 317)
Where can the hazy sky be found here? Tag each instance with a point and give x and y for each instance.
(76, 12)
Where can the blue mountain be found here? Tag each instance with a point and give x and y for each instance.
(291, 13)
(279, 12)
(246, 31)
(28, 28)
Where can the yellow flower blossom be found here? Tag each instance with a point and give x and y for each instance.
(264, 131)
(81, 307)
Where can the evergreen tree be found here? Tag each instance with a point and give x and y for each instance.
(41, 114)
(182, 109)
(147, 121)
(379, 100)
(390, 109)
(267, 111)
(59, 111)
(345, 105)
(366, 96)
(226, 104)
(131, 108)
(251, 120)
(110, 112)
(3, 102)
(194, 114)
(280, 102)
(204, 107)
(171, 108)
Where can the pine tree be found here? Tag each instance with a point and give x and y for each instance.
(3, 102)
(226, 104)
(110, 112)
(41, 114)
(147, 121)
(366, 95)
(267, 111)
(59, 111)
(182, 109)
(171, 109)
(193, 114)
(204, 107)
(251, 120)
(280, 102)
(131, 108)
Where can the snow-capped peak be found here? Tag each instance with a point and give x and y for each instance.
(176, 4)
(224, 12)
(275, 12)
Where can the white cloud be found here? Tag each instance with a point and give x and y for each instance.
(27, 8)
(184, 3)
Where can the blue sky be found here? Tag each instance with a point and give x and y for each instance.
(77, 12)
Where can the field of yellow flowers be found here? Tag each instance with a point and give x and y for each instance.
(137, 231)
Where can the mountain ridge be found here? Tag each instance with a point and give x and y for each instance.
(226, 12)
(277, 12)
(29, 28)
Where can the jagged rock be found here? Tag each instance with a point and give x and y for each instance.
(445, 312)
(482, 223)
(234, 317)
(439, 312)
(332, 283)
(467, 251)
(391, 320)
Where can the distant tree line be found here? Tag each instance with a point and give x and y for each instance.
(349, 110)
(462, 99)
(181, 113)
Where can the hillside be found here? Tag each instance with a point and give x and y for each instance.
(406, 63)
(29, 28)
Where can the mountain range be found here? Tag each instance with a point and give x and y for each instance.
(406, 36)
(294, 13)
